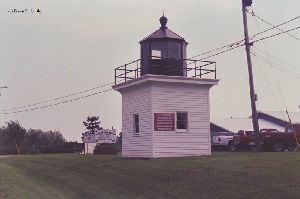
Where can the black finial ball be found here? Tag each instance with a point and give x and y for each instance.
(163, 21)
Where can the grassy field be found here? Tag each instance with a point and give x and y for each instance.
(222, 175)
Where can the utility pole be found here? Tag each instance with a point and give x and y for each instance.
(245, 4)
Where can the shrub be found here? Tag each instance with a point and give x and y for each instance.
(105, 149)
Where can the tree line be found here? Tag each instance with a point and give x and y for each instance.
(15, 139)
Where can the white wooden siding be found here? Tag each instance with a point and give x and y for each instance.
(137, 100)
(151, 94)
(167, 97)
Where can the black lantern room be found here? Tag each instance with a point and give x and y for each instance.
(163, 52)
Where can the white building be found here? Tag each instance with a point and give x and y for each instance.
(234, 125)
(266, 119)
(100, 136)
(165, 113)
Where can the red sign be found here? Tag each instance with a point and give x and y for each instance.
(164, 122)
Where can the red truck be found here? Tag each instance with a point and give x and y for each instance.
(279, 141)
(270, 139)
(241, 141)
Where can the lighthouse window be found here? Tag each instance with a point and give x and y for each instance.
(181, 120)
(156, 54)
(136, 124)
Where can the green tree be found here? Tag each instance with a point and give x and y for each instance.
(14, 133)
(39, 137)
(92, 124)
(29, 141)
(10, 135)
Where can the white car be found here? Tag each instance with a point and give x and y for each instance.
(221, 141)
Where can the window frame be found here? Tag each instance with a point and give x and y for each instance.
(136, 124)
(156, 54)
(187, 122)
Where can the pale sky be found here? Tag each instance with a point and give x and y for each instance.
(75, 45)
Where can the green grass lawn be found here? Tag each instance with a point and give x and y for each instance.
(222, 175)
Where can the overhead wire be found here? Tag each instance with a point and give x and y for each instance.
(278, 86)
(264, 75)
(262, 70)
(275, 77)
(280, 90)
(219, 53)
(57, 98)
(274, 65)
(274, 35)
(238, 43)
(275, 26)
(268, 58)
(58, 103)
(276, 58)
(218, 49)
(265, 78)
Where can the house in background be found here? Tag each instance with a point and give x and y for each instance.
(279, 117)
(266, 120)
(229, 126)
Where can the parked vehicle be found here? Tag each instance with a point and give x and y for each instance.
(270, 139)
(279, 141)
(241, 141)
(221, 142)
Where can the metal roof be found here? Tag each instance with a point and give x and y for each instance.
(236, 124)
(163, 32)
(295, 116)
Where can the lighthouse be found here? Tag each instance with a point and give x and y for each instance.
(165, 99)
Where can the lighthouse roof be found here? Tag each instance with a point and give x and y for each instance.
(163, 32)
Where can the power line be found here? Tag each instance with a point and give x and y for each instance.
(238, 43)
(267, 82)
(280, 91)
(220, 48)
(58, 98)
(270, 36)
(272, 64)
(265, 78)
(219, 53)
(278, 86)
(278, 67)
(58, 103)
(277, 26)
(276, 58)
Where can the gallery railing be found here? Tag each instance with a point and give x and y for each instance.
(170, 67)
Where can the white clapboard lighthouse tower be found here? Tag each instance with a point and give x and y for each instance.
(165, 99)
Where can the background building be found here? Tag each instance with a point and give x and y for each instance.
(267, 120)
